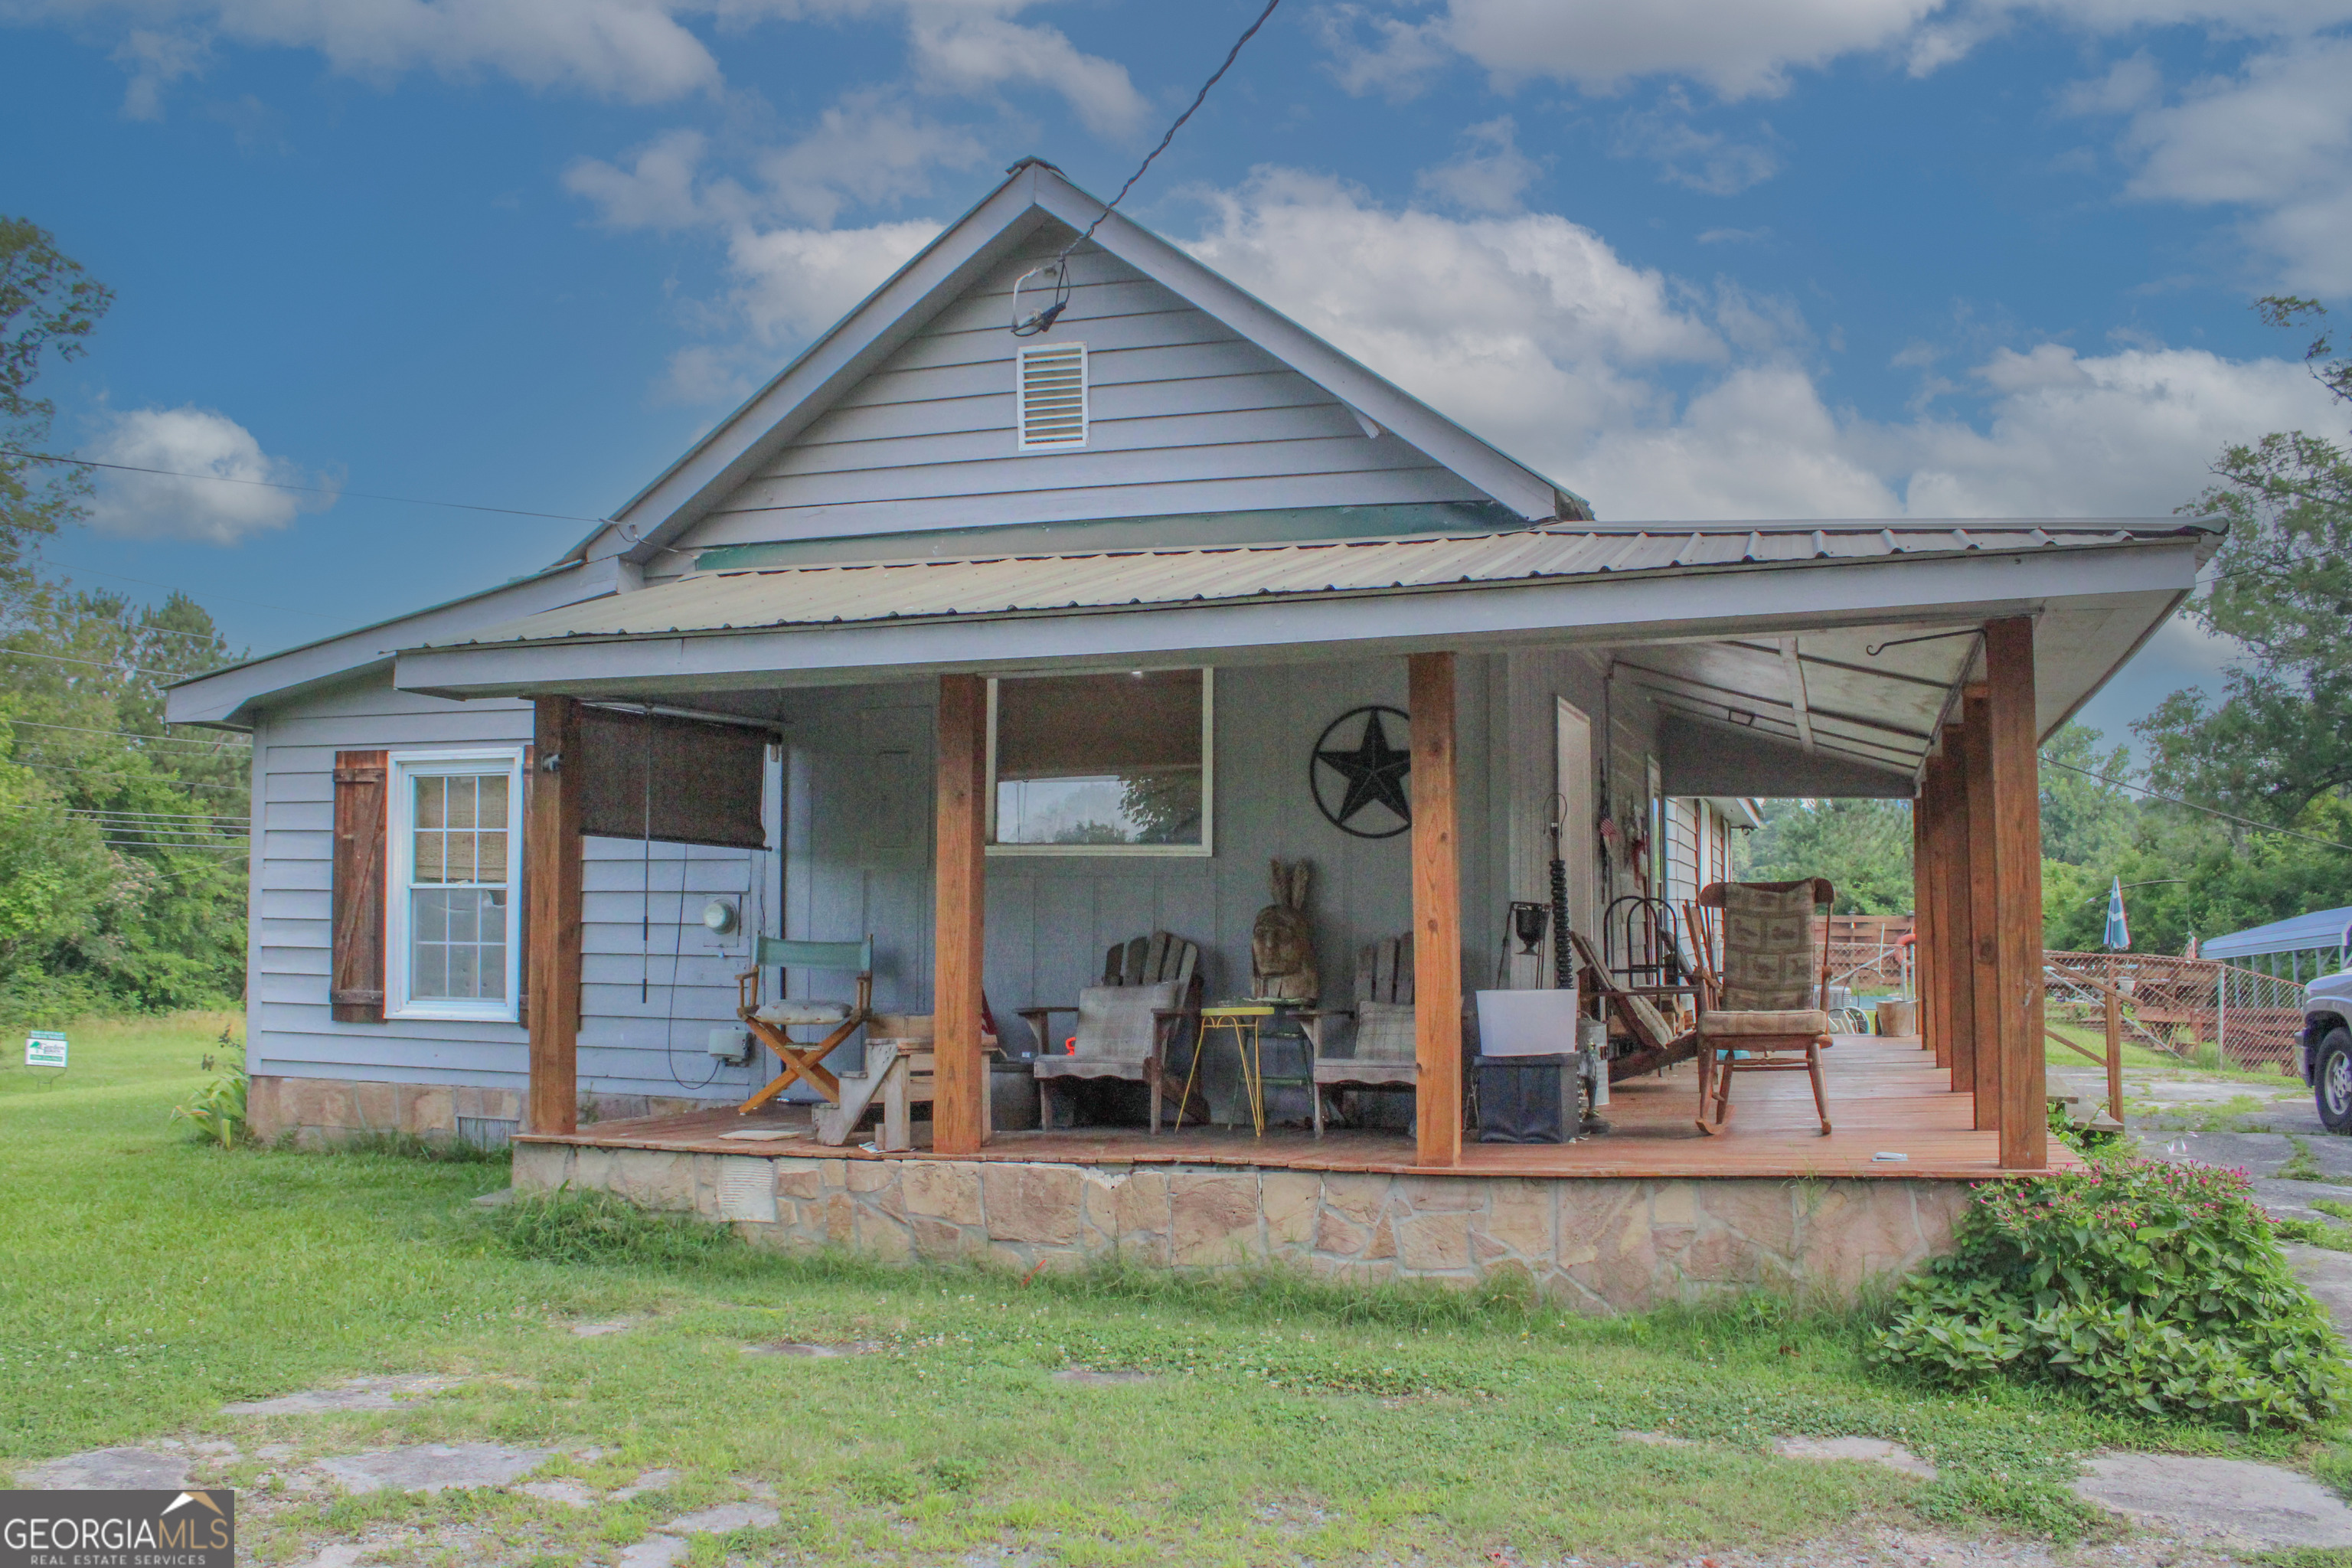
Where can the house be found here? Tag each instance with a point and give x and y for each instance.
(1003, 650)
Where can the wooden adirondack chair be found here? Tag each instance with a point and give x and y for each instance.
(1130, 1028)
(1656, 1043)
(1775, 979)
(1384, 1052)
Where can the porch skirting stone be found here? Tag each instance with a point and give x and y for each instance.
(332, 1110)
(1591, 1244)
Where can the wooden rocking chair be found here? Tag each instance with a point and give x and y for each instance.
(1385, 1053)
(769, 1023)
(1131, 1027)
(1655, 1042)
(1775, 976)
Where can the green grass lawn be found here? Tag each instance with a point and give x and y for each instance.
(148, 1279)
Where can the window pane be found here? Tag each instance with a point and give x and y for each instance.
(492, 849)
(461, 802)
(1099, 759)
(492, 810)
(432, 857)
(461, 858)
(432, 803)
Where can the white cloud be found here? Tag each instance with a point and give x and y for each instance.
(1704, 161)
(155, 60)
(192, 441)
(868, 151)
(1489, 176)
(793, 283)
(1739, 49)
(2275, 140)
(656, 191)
(1534, 333)
(974, 54)
(633, 50)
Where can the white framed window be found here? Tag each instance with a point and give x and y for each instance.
(1051, 381)
(453, 944)
(1118, 763)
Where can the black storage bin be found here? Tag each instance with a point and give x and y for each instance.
(1527, 1099)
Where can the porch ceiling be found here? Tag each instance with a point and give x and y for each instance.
(1768, 628)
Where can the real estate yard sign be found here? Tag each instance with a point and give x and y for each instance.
(43, 1049)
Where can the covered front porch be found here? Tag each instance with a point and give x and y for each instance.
(1923, 665)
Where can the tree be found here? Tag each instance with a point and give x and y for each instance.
(2282, 584)
(48, 308)
(121, 845)
(1863, 847)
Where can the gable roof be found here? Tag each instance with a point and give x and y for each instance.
(1033, 196)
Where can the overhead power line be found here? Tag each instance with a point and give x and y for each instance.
(2192, 805)
(1060, 264)
(307, 489)
(219, 747)
(38, 759)
(93, 663)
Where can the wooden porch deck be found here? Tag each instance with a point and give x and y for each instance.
(1887, 1096)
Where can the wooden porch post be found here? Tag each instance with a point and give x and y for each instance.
(2013, 731)
(1932, 810)
(1921, 920)
(1436, 912)
(959, 902)
(551, 853)
(1978, 895)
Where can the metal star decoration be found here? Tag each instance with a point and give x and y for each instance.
(1375, 771)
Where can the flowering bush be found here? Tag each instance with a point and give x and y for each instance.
(2158, 1288)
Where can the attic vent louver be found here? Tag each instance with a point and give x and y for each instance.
(1053, 396)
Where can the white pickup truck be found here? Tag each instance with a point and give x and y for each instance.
(2327, 1048)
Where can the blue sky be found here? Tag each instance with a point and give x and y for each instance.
(1701, 258)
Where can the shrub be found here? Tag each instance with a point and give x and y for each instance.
(567, 1227)
(2155, 1289)
(217, 1110)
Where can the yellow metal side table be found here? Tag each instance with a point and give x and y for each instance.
(1241, 1022)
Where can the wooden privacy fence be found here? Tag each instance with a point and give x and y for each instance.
(2187, 1007)
(1865, 951)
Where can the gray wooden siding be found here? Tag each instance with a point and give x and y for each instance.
(635, 1038)
(1184, 416)
(859, 851)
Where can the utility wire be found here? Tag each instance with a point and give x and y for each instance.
(93, 663)
(34, 760)
(307, 489)
(1060, 264)
(176, 588)
(210, 746)
(2192, 805)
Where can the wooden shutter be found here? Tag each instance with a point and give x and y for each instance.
(356, 979)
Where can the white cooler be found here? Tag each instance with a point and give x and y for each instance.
(1527, 1023)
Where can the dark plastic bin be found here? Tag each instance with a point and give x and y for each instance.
(1527, 1099)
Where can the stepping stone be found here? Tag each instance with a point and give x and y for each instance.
(1100, 1379)
(434, 1466)
(1659, 1439)
(651, 1481)
(2260, 1504)
(727, 1516)
(359, 1394)
(797, 1348)
(1869, 1450)
(570, 1493)
(110, 1470)
(597, 1328)
(653, 1552)
(497, 1200)
(342, 1554)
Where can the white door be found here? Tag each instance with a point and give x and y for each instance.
(1577, 825)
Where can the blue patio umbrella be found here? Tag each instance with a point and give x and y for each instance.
(2119, 938)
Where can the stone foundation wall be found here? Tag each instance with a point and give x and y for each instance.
(329, 1110)
(1593, 1244)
